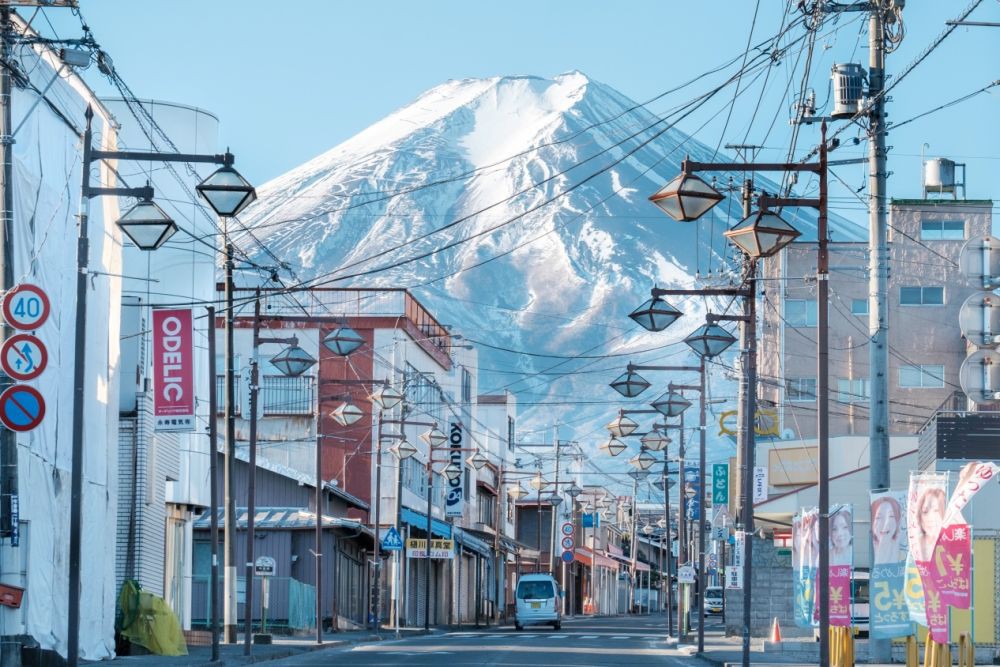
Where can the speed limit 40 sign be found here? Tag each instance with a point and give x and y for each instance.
(26, 307)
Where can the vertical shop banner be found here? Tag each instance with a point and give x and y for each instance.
(888, 612)
(925, 508)
(720, 484)
(692, 482)
(173, 370)
(454, 497)
(950, 569)
(805, 558)
(759, 484)
(973, 477)
(841, 548)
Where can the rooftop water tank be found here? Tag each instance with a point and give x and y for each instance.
(848, 89)
(939, 175)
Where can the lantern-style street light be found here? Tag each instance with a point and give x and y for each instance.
(643, 460)
(709, 340)
(613, 446)
(293, 361)
(226, 191)
(343, 340)
(762, 234)
(655, 314)
(147, 225)
(686, 198)
(671, 404)
(621, 426)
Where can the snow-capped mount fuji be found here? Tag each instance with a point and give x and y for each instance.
(516, 209)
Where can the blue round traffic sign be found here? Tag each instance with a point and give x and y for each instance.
(22, 408)
(567, 556)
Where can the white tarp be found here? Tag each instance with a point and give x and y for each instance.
(47, 180)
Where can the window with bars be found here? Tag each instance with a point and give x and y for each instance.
(800, 390)
(921, 296)
(921, 376)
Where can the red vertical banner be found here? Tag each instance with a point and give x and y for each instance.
(951, 568)
(173, 370)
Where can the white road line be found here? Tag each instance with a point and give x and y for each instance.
(589, 636)
(620, 637)
(558, 636)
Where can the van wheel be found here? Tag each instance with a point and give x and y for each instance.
(557, 625)
(518, 627)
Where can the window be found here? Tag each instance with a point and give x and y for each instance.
(921, 376)
(487, 506)
(853, 391)
(414, 476)
(280, 395)
(466, 385)
(800, 389)
(800, 312)
(921, 296)
(859, 307)
(942, 230)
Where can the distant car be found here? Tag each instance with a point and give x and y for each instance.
(539, 601)
(713, 600)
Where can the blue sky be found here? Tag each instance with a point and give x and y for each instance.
(290, 83)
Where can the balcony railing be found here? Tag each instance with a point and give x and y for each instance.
(280, 396)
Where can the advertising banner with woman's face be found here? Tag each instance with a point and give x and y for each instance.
(926, 503)
(841, 561)
(888, 613)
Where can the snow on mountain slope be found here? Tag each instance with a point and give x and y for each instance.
(516, 209)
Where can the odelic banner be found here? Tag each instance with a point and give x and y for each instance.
(888, 613)
(173, 370)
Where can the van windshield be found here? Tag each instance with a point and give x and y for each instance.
(535, 590)
(860, 587)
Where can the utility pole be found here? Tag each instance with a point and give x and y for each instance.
(229, 470)
(251, 481)
(213, 475)
(878, 277)
(8, 440)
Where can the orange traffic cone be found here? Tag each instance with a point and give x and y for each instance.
(775, 631)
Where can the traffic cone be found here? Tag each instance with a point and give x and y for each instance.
(775, 631)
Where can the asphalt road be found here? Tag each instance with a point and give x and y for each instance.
(637, 640)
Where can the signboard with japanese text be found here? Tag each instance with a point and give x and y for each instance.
(417, 548)
(455, 494)
(720, 484)
(734, 578)
(692, 483)
(759, 484)
(173, 370)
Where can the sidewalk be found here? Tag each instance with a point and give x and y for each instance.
(283, 647)
(728, 651)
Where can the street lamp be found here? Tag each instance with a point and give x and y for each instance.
(654, 441)
(386, 398)
(762, 234)
(621, 426)
(403, 450)
(293, 361)
(226, 191)
(630, 384)
(346, 414)
(643, 460)
(343, 341)
(655, 314)
(477, 460)
(434, 438)
(686, 198)
(147, 225)
(709, 340)
(613, 446)
(671, 404)
(516, 492)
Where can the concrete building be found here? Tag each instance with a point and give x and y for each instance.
(407, 348)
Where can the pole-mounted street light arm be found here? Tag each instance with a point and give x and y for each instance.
(708, 291)
(713, 318)
(679, 369)
(689, 166)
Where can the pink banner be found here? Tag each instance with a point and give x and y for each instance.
(951, 569)
(173, 370)
(840, 595)
(936, 609)
(973, 477)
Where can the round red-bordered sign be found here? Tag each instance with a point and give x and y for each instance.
(23, 357)
(567, 543)
(22, 408)
(567, 528)
(26, 307)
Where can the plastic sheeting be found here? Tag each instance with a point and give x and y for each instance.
(47, 180)
(146, 620)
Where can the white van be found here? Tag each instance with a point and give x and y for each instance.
(539, 601)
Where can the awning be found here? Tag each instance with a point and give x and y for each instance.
(276, 518)
(639, 565)
(585, 556)
(467, 540)
(418, 520)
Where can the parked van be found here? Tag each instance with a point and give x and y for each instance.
(539, 601)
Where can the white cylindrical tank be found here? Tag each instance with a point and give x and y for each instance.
(848, 89)
(939, 175)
